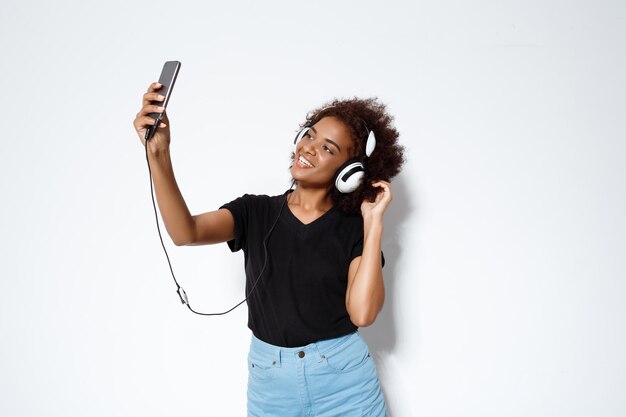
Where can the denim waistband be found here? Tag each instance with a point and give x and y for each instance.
(312, 352)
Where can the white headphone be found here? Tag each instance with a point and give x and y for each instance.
(349, 176)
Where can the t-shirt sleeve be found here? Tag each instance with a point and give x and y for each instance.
(240, 209)
(357, 250)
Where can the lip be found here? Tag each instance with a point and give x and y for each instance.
(301, 165)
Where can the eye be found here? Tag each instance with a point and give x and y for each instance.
(326, 148)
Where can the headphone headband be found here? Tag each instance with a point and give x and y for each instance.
(348, 177)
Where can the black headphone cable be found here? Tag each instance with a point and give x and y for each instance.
(180, 291)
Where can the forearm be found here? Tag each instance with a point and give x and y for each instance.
(176, 216)
(367, 292)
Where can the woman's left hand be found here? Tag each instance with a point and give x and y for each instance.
(383, 198)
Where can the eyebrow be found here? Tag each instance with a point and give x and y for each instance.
(328, 140)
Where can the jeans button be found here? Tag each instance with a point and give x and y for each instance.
(301, 354)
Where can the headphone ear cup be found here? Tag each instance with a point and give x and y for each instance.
(370, 144)
(348, 177)
(301, 133)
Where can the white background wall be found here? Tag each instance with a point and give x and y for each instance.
(504, 242)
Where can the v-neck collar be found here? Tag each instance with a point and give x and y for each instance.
(297, 223)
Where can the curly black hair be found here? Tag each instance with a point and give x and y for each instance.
(386, 160)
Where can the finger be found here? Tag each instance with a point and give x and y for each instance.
(151, 108)
(153, 87)
(386, 190)
(149, 97)
(146, 121)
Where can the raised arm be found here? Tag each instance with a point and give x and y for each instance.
(212, 227)
(365, 294)
(184, 229)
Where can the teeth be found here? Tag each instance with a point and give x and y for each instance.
(304, 161)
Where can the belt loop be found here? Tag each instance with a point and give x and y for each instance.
(320, 357)
(277, 359)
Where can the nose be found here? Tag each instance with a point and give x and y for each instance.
(308, 147)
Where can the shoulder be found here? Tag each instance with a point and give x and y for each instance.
(355, 220)
(347, 224)
(254, 201)
(255, 198)
(264, 199)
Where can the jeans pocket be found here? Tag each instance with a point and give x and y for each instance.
(261, 368)
(348, 357)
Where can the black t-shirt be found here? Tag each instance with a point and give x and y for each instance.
(300, 298)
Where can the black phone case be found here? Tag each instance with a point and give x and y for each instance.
(167, 80)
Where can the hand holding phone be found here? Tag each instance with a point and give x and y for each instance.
(150, 116)
(167, 80)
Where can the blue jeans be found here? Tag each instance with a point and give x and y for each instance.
(333, 377)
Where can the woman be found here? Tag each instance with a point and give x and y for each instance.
(313, 257)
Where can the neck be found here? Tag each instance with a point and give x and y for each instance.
(311, 199)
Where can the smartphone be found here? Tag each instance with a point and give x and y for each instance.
(167, 80)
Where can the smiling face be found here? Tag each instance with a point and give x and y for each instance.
(321, 151)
